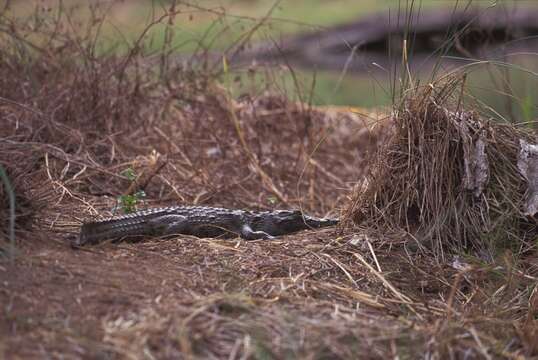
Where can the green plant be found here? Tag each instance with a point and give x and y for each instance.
(11, 197)
(129, 173)
(527, 108)
(128, 202)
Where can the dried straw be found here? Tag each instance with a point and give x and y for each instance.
(431, 180)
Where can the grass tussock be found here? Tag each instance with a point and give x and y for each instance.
(448, 177)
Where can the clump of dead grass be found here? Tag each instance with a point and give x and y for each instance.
(448, 177)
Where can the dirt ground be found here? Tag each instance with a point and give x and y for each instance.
(209, 298)
(335, 293)
(303, 295)
(317, 294)
(310, 295)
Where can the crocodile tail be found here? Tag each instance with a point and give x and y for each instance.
(95, 232)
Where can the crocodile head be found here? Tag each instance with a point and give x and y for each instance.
(316, 223)
(282, 222)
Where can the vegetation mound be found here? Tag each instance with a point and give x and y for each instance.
(449, 177)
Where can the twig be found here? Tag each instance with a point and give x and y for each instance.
(373, 255)
(142, 181)
(385, 282)
(265, 178)
(341, 266)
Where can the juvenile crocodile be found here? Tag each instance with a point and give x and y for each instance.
(201, 222)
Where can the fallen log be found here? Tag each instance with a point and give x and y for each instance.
(471, 33)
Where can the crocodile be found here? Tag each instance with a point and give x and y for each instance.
(200, 221)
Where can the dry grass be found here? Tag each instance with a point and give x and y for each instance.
(449, 178)
(86, 119)
(72, 122)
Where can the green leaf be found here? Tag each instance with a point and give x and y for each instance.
(129, 173)
(128, 203)
(527, 108)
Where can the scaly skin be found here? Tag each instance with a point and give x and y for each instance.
(201, 222)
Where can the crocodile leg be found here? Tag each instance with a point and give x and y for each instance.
(248, 234)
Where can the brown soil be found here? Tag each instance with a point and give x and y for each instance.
(72, 123)
(315, 294)
(189, 296)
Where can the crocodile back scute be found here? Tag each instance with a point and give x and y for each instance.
(201, 221)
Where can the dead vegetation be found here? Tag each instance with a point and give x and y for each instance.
(71, 123)
(450, 178)
(187, 140)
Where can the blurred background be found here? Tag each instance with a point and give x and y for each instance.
(337, 52)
